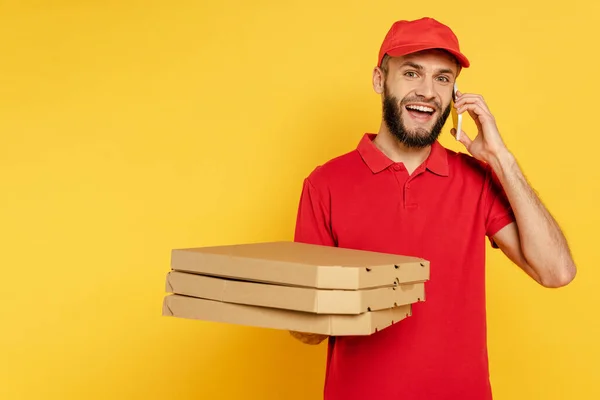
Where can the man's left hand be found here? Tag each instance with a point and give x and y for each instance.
(488, 144)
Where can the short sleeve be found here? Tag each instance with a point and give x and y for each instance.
(313, 221)
(498, 211)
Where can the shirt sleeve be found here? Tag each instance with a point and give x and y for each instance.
(313, 221)
(498, 210)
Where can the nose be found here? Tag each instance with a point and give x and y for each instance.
(426, 89)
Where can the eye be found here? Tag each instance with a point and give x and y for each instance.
(443, 78)
(411, 74)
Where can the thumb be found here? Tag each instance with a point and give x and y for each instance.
(463, 137)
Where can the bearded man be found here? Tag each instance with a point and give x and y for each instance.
(400, 191)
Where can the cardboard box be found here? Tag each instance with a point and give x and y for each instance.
(318, 301)
(300, 264)
(294, 286)
(272, 318)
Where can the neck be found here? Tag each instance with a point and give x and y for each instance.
(398, 152)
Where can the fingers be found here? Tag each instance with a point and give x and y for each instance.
(464, 99)
(308, 338)
(475, 118)
(479, 114)
(460, 95)
(464, 138)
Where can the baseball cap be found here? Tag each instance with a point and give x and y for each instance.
(405, 37)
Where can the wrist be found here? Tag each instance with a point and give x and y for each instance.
(502, 161)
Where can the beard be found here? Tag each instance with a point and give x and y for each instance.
(416, 138)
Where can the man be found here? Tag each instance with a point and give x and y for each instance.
(401, 192)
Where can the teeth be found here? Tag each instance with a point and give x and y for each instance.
(420, 108)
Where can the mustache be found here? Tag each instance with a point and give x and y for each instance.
(418, 99)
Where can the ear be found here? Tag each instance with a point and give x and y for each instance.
(378, 80)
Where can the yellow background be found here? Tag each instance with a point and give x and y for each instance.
(131, 128)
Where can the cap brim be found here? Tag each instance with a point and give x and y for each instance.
(413, 48)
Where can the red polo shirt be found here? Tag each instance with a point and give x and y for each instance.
(443, 212)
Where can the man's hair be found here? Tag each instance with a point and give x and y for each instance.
(384, 64)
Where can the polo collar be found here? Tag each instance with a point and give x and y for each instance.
(377, 161)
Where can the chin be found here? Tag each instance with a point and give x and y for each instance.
(419, 130)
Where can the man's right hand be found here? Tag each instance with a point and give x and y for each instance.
(308, 338)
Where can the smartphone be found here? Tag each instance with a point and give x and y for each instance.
(456, 118)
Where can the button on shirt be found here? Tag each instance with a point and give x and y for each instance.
(443, 212)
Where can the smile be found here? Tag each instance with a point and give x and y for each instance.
(420, 113)
(420, 109)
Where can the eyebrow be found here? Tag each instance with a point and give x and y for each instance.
(420, 67)
(412, 65)
(445, 71)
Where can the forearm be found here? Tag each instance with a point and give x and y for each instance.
(542, 241)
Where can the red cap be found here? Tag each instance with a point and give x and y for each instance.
(406, 37)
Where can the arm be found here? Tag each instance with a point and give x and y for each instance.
(535, 241)
(313, 227)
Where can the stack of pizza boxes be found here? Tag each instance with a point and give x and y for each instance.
(294, 286)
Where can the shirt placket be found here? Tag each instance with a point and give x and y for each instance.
(401, 176)
(405, 184)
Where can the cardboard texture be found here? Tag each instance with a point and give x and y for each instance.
(294, 286)
(300, 264)
(319, 301)
(272, 318)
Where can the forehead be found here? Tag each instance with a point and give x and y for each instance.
(429, 59)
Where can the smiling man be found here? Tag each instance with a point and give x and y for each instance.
(400, 191)
(417, 120)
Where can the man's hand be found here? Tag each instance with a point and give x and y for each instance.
(487, 144)
(308, 338)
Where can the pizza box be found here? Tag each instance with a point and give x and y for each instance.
(302, 265)
(367, 323)
(318, 301)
